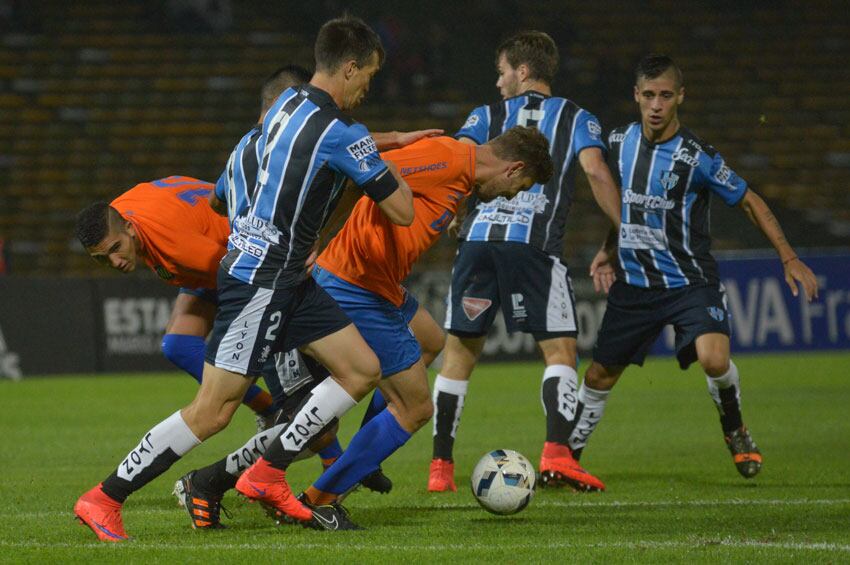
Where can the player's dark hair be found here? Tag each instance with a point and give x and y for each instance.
(280, 80)
(343, 39)
(534, 49)
(94, 223)
(654, 65)
(528, 145)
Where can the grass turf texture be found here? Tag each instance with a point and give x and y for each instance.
(673, 493)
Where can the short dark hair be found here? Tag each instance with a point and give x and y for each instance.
(343, 39)
(283, 78)
(655, 65)
(528, 145)
(94, 223)
(536, 50)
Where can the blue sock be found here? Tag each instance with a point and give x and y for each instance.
(332, 451)
(369, 447)
(187, 352)
(375, 406)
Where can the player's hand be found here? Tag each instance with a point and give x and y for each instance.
(311, 259)
(408, 137)
(454, 227)
(797, 271)
(602, 272)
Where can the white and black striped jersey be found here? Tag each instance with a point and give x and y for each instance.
(307, 149)
(664, 237)
(538, 215)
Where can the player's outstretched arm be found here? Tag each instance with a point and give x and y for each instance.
(602, 184)
(602, 267)
(398, 206)
(396, 139)
(795, 270)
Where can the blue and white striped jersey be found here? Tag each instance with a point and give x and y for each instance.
(666, 188)
(538, 215)
(308, 148)
(239, 179)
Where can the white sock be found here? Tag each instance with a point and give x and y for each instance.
(592, 406)
(253, 449)
(328, 400)
(566, 393)
(729, 379)
(172, 433)
(455, 388)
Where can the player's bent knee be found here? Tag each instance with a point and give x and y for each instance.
(715, 365)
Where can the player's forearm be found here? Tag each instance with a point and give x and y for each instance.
(609, 245)
(760, 214)
(602, 184)
(386, 140)
(217, 205)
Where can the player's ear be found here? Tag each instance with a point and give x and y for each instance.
(681, 94)
(637, 94)
(523, 72)
(129, 228)
(515, 168)
(349, 68)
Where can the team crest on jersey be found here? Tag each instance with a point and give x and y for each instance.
(362, 148)
(471, 121)
(163, 273)
(669, 180)
(474, 307)
(716, 313)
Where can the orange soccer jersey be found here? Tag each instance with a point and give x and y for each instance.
(182, 239)
(372, 252)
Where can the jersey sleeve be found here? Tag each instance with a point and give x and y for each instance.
(476, 126)
(725, 182)
(588, 133)
(222, 188)
(356, 156)
(613, 158)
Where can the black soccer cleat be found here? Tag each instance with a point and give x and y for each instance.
(334, 517)
(377, 481)
(745, 452)
(204, 509)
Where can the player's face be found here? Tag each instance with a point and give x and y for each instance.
(659, 100)
(508, 82)
(358, 81)
(507, 184)
(116, 250)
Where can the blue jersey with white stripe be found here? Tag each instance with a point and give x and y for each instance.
(238, 181)
(538, 215)
(307, 150)
(666, 188)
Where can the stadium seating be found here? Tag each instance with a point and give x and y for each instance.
(99, 95)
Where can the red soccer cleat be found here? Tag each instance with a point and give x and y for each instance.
(558, 467)
(101, 514)
(441, 477)
(267, 485)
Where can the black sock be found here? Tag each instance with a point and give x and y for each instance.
(448, 405)
(214, 479)
(559, 394)
(730, 414)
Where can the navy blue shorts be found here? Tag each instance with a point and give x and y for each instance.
(636, 316)
(253, 323)
(533, 289)
(383, 325)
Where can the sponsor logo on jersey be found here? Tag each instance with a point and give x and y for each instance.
(695, 145)
(523, 202)
(717, 313)
(685, 157)
(634, 236)
(648, 201)
(723, 175)
(163, 273)
(669, 180)
(407, 171)
(616, 138)
(471, 121)
(594, 128)
(362, 148)
(474, 307)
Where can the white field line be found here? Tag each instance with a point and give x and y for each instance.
(207, 545)
(544, 503)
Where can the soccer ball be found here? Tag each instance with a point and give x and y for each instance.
(503, 481)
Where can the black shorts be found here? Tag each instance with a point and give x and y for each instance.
(253, 323)
(291, 376)
(533, 289)
(636, 316)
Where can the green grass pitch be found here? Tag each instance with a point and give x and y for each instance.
(673, 493)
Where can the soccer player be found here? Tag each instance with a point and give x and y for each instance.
(362, 269)
(666, 274)
(510, 256)
(309, 148)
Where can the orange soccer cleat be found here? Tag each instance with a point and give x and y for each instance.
(265, 484)
(441, 476)
(558, 467)
(745, 453)
(101, 514)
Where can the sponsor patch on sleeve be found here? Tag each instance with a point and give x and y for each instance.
(362, 148)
